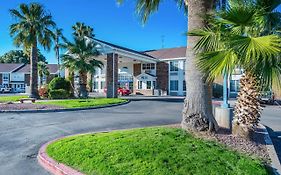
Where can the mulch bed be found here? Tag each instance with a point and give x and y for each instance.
(26, 106)
(255, 148)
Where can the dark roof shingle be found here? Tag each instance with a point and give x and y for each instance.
(9, 67)
(179, 52)
(53, 69)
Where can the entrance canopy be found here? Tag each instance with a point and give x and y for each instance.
(124, 54)
(113, 56)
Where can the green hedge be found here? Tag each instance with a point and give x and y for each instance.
(60, 83)
(59, 94)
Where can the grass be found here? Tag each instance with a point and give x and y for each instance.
(84, 103)
(11, 98)
(154, 151)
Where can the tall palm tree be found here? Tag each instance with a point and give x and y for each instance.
(43, 70)
(80, 57)
(81, 30)
(58, 35)
(33, 27)
(238, 36)
(197, 112)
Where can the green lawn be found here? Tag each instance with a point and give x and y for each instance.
(150, 151)
(84, 103)
(12, 98)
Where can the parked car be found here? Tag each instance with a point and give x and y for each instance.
(121, 91)
(267, 97)
(5, 90)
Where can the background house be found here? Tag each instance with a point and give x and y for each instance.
(17, 76)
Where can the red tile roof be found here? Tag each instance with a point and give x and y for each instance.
(170, 53)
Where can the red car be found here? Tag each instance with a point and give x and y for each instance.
(121, 91)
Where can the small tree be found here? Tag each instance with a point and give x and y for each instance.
(58, 35)
(80, 57)
(43, 70)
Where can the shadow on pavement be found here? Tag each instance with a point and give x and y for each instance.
(276, 139)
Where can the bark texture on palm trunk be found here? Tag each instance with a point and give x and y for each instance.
(247, 110)
(83, 84)
(90, 81)
(197, 112)
(34, 71)
(58, 58)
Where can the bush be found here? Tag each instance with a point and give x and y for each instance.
(60, 83)
(59, 94)
(217, 90)
(44, 92)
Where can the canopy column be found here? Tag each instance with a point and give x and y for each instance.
(112, 75)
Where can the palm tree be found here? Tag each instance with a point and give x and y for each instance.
(43, 70)
(57, 36)
(238, 37)
(33, 27)
(81, 30)
(80, 57)
(197, 112)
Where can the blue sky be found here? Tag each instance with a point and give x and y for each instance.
(112, 23)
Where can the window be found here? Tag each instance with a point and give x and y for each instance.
(148, 85)
(5, 77)
(174, 85)
(154, 84)
(139, 84)
(96, 85)
(234, 86)
(148, 66)
(184, 85)
(174, 66)
(102, 85)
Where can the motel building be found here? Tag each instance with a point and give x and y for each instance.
(150, 73)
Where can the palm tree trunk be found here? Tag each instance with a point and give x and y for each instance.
(83, 84)
(90, 81)
(34, 71)
(58, 57)
(41, 81)
(247, 109)
(197, 112)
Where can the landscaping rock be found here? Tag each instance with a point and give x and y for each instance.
(255, 147)
(27, 106)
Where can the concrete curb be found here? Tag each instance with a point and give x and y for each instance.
(275, 164)
(63, 110)
(51, 165)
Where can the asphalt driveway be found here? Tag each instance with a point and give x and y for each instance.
(21, 135)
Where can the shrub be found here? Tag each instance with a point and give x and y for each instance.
(60, 83)
(217, 90)
(59, 94)
(44, 92)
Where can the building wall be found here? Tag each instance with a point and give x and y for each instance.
(277, 93)
(27, 79)
(176, 77)
(50, 77)
(162, 74)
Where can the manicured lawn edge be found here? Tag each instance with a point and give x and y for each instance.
(65, 109)
(51, 165)
(59, 168)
